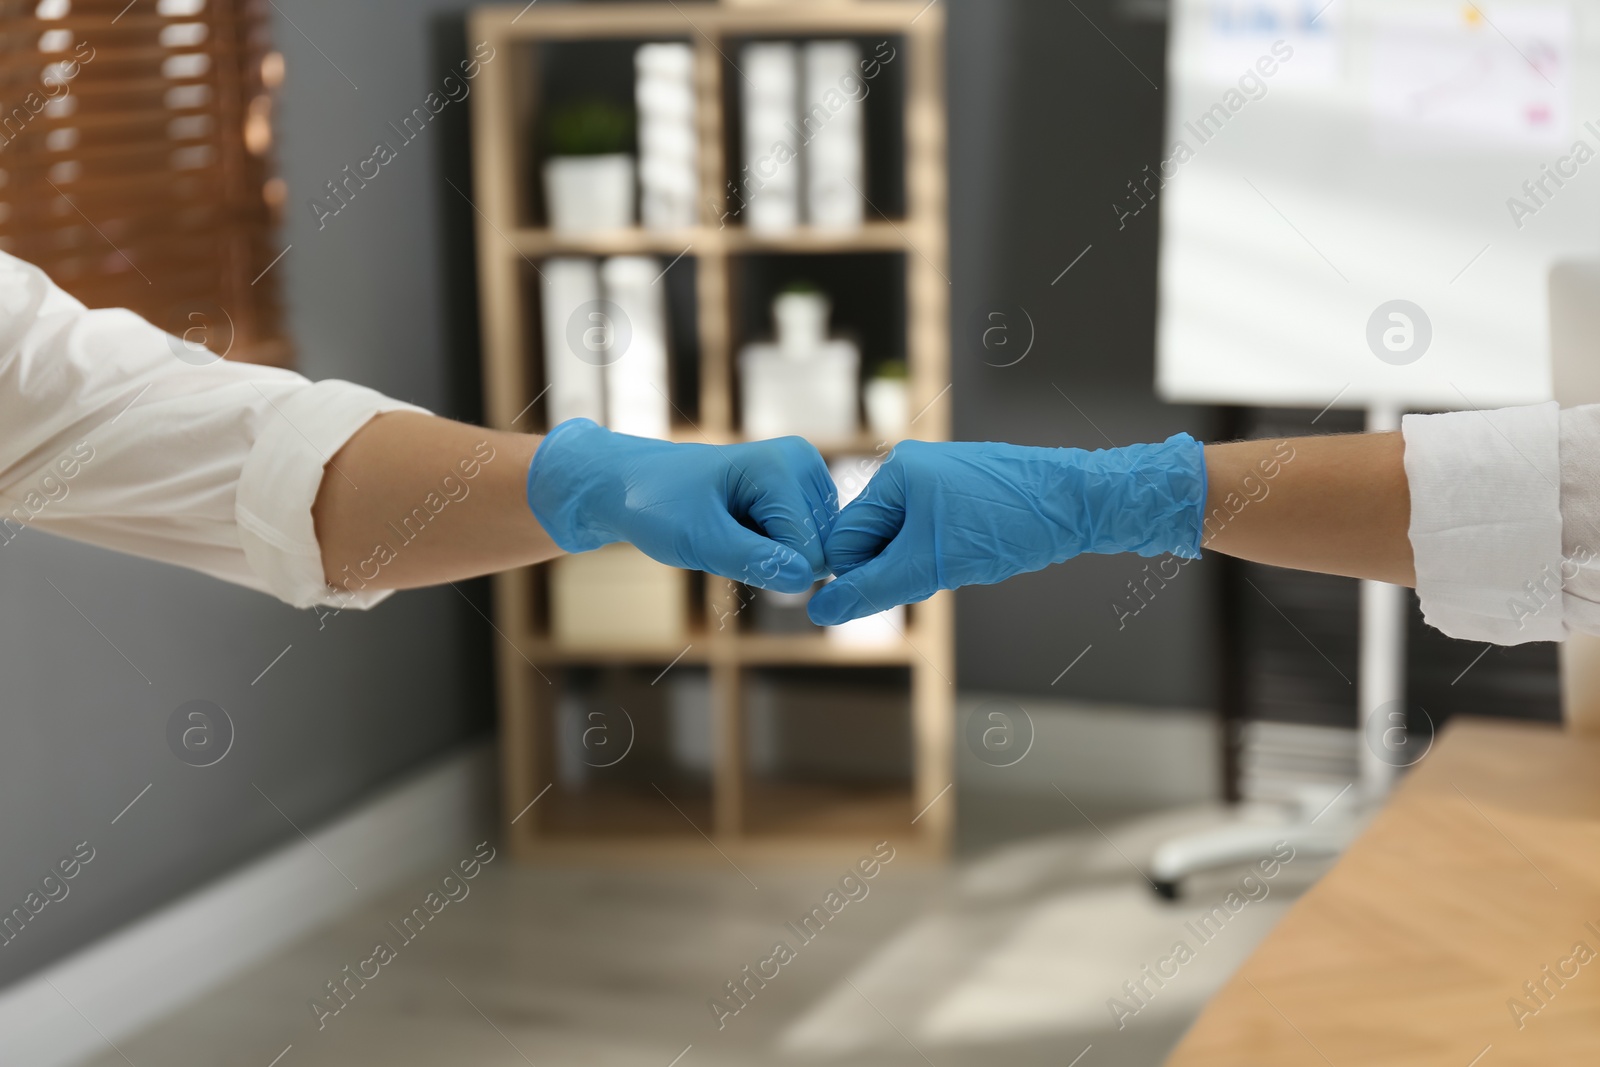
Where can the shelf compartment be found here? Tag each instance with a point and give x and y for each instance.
(868, 296)
(827, 752)
(570, 71)
(767, 628)
(883, 119)
(629, 751)
(680, 279)
(613, 574)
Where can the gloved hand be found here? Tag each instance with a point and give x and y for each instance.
(756, 513)
(940, 516)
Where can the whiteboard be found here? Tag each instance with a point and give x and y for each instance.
(1377, 162)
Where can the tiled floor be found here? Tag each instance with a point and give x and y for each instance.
(1007, 958)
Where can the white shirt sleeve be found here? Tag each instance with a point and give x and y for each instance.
(108, 437)
(1505, 521)
(1580, 518)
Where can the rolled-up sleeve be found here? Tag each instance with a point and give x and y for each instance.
(110, 433)
(1486, 522)
(1580, 517)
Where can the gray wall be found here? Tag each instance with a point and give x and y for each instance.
(349, 707)
(1048, 122)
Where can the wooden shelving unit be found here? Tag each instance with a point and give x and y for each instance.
(739, 811)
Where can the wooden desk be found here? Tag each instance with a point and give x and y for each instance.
(1483, 869)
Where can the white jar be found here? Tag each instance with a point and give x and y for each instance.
(588, 193)
(888, 404)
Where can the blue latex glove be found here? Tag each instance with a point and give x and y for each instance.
(940, 516)
(756, 513)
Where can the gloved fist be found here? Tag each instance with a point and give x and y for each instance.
(756, 513)
(940, 516)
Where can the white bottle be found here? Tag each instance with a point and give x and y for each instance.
(804, 383)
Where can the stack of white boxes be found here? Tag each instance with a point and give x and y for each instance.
(570, 289)
(770, 184)
(637, 389)
(832, 122)
(605, 344)
(668, 144)
(803, 119)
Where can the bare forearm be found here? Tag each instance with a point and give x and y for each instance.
(415, 500)
(1337, 504)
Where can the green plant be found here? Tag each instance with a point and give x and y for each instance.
(891, 370)
(801, 287)
(590, 128)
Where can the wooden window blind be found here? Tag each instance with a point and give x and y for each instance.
(135, 161)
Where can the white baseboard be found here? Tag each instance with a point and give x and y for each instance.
(150, 968)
